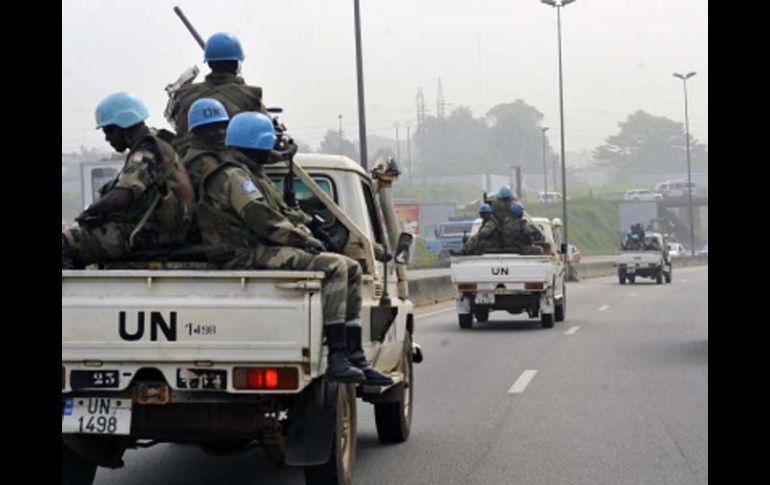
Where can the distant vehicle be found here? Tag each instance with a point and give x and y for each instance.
(676, 250)
(573, 254)
(674, 189)
(450, 236)
(637, 195)
(549, 197)
(704, 251)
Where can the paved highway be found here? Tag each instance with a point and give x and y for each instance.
(616, 394)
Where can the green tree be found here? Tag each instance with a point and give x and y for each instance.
(332, 144)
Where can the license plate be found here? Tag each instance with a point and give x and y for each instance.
(94, 379)
(485, 298)
(96, 415)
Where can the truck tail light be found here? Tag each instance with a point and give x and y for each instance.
(533, 286)
(466, 286)
(268, 378)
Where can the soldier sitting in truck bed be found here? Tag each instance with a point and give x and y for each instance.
(489, 236)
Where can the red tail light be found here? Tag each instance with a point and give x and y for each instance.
(268, 378)
(533, 286)
(466, 286)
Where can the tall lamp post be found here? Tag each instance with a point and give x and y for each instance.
(684, 78)
(545, 168)
(360, 77)
(558, 4)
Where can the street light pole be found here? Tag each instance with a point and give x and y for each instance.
(409, 149)
(340, 133)
(558, 4)
(396, 125)
(684, 79)
(545, 168)
(360, 76)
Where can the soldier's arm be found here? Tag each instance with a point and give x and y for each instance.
(269, 224)
(142, 170)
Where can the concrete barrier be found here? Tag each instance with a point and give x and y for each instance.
(435, 288)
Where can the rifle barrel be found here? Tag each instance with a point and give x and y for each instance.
(189, 26)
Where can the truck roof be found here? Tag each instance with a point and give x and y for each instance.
(333, 162)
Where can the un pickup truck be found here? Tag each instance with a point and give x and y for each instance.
(512, 282)
(173, 350)
(648, 263)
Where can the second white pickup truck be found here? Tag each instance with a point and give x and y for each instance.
(650, 263)
(512, 282)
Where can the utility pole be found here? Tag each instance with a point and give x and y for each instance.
(409, 149)
(340, 133)
(398, 142)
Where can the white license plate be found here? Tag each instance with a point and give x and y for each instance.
(96, 415)
(485, 298)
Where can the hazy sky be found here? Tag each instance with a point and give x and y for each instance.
(619, 56)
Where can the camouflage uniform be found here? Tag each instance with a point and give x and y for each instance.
(229, 89)
(202, 156)
(488, 238)
(160, 214)
(242, 223)
(521, 236)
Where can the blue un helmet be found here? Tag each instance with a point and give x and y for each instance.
(517, 209)
(121, 109)
(251, 130)
(635, 236)
(505, 192)
(485, 209)
(205, 111)
(222, 47)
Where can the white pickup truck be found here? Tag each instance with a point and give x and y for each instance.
(512, 282)
(655, 264)
(184, 352)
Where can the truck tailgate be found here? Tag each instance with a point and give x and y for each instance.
(501, 269)
(143, 315)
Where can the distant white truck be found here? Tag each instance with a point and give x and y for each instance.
(655, 264)
(512, 282)
(164, 350)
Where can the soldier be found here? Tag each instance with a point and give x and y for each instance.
(240, 212)
(148, 205)
(501, 205)
(519, 235)
(488, 237)
(207, 119)
(224, 55)
(633, 242)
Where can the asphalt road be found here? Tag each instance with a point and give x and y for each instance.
(619, 395)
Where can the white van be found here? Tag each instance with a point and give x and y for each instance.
(549, 197)
(675, 189)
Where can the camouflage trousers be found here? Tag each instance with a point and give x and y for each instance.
(341, 288)
(86, 245)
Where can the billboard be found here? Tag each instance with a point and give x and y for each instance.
(408, 216)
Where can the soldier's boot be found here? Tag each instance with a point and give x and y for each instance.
(358, 358)
(339, 367)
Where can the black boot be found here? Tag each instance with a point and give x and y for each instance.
(67, 261)
(339, 367)
(358, 359)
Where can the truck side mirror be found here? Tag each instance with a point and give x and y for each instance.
(563, 249)
(403, 247)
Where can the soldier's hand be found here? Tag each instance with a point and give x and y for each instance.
(314, 246)
(89, 221)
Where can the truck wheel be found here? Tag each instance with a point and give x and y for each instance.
(546, 320)
(482, 314)
(76, 470)
(394, 419)
(338, 470)
(669, 276)
(622, 277)
(560, 308)
(631, 279)
(465, 319)
(659, 276)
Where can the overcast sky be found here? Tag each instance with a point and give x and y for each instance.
(619, 56)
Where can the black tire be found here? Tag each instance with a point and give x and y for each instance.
(631, 278)
(546, 320)
(76, 470)
(465, 320)
(560, 308)
(482, 314)
(338, 470)
(659, 276)
(394, 419)
(669, 276)
(622, 277)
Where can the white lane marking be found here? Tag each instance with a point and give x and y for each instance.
(436, 312)
(522, 382)
(683, 281)
(632, 294)
(572, 330)
(603, 308)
